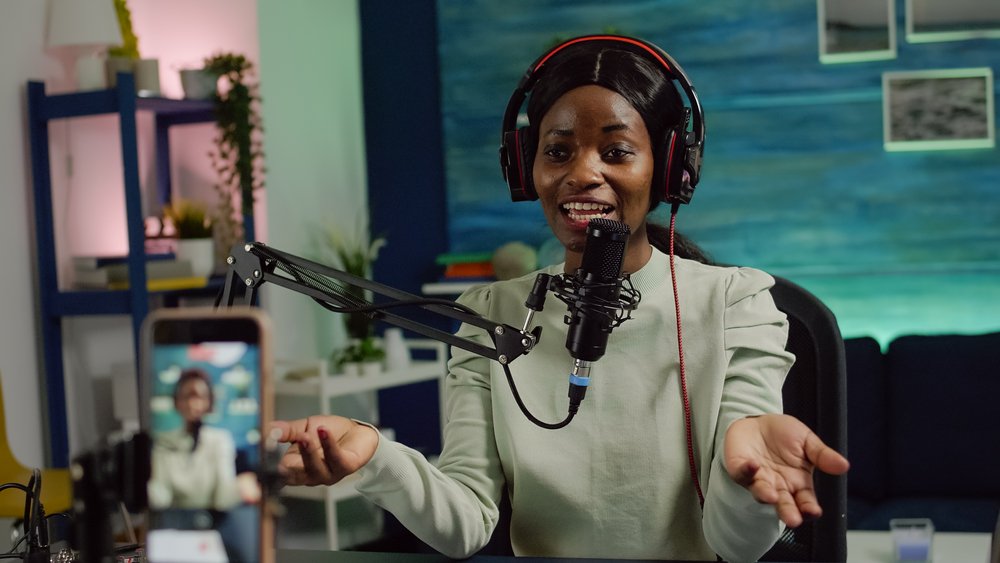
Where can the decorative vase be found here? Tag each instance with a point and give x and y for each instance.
(397, 355)
(147, 77)
(198, 83)
(200, 252)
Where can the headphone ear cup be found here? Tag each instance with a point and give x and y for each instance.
(668, 172)
(515, 160)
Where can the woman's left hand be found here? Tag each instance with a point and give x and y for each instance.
(773, 456)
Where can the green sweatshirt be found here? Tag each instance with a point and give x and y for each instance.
(615, 483)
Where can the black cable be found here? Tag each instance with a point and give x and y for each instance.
(573, 406)
(28, 495)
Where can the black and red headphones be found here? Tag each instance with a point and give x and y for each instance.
(683, 148)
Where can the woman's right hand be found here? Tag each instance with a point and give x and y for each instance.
(324, 449)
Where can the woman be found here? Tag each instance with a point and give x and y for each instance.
(194, 466)
(194, 482)
(621, 481)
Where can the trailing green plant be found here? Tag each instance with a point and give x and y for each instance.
(354, 255)
(238, 157)
(190, 219)
(129, 48)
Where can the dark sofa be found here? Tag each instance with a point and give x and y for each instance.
(924, 431)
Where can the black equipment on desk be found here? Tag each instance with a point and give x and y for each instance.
(104, 478)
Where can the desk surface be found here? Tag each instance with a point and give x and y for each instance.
(862, 547)
(948, 547)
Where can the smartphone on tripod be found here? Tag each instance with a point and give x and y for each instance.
(207, 406)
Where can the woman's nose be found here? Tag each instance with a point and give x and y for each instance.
(587, 171)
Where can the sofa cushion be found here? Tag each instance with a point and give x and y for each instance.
(866, 419)
(943, 423)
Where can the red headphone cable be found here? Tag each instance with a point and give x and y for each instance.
(680, 352)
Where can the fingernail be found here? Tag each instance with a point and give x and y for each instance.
(304, 446)
(323, 435)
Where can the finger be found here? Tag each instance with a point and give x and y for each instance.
(808, 505)
(333, 453)
(290, 430)
(764, 491)
(313, 461)
(787, 510)
(825, 458)
(290, 467)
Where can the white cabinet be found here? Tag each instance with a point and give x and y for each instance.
(324, 386)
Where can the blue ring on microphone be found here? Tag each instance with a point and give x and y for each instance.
(579, 381)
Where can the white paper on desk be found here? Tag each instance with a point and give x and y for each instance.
(185, 546)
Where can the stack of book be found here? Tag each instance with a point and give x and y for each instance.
(461, 266)
(163, 272)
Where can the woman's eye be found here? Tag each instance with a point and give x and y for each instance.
(555, 153)
(617, 153)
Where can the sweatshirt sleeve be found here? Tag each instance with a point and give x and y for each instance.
(736, 526)
(453, 507)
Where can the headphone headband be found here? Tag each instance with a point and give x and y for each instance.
(671, 182)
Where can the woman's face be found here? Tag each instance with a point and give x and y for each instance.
(594, 160)
(194, 400)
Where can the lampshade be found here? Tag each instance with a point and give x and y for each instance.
(83, 22)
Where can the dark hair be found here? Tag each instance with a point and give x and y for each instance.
(195, 374)
(684, 247)
(637, 79)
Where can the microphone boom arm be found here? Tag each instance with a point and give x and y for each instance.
(253, 264)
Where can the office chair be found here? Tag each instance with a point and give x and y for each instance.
(57, 494)
(815, 392)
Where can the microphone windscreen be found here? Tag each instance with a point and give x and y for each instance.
(604, 252)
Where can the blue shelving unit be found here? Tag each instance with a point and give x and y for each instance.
(56, 304)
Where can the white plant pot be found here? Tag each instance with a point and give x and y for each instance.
(198, 84)
(352, 369)
(200, 252)
(371, 368)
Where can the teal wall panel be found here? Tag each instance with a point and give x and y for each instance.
(796, 180)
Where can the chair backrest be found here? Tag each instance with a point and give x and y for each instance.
(11, 471)
(56, 486)
(815, 392)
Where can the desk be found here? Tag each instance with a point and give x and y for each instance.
(296, 556)
(949, 547)
(862, 547)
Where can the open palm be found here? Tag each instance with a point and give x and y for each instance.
(324, 449)
(774, 456)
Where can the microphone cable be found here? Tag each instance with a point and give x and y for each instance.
(688, 434)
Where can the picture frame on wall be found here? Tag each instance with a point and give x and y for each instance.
(938, 109)
(856, 30)
(951, 20)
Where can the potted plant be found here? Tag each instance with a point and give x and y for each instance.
(361, 357)
(238, 156)
(126, 58)
(355, 255)
(193, 228)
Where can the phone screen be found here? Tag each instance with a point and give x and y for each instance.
(204, 415)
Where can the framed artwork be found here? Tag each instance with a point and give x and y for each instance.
(951, 20)
(856, 30)
(938, 109)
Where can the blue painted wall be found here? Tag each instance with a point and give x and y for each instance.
(795, 180)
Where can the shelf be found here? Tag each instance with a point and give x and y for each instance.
(54, 303)
(338, 385)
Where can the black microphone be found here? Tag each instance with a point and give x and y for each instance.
(595, 305)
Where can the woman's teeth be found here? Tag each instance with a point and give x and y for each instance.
(579, 211)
